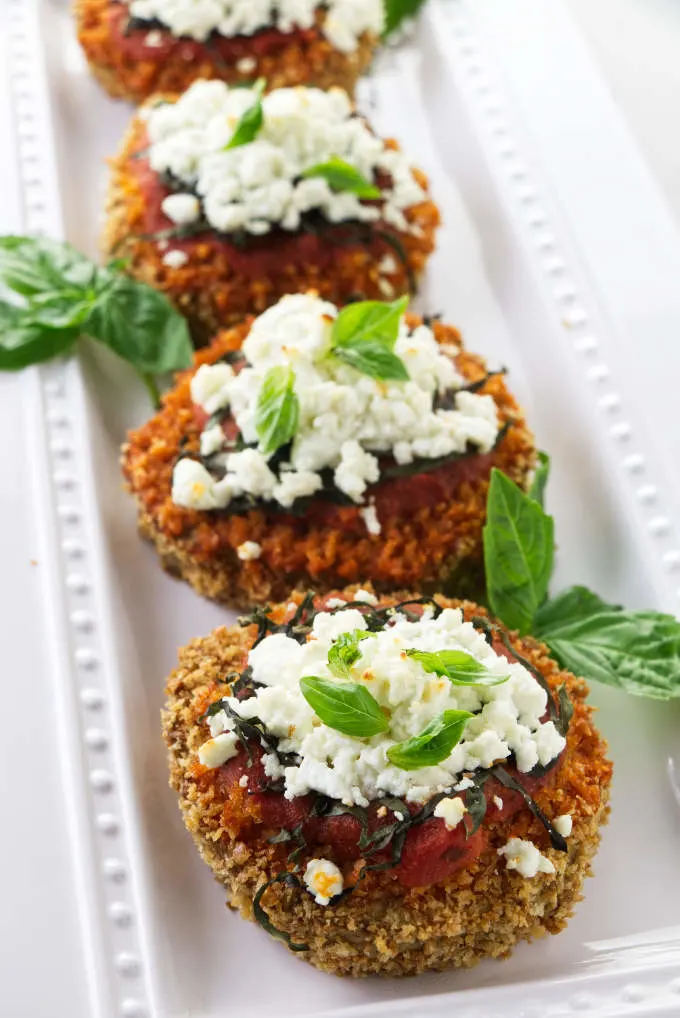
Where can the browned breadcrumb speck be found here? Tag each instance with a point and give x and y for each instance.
(423, 548)
(383, 928)
(212, 292)
(307, 59)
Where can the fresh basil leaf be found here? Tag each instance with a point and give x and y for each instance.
(373, 320)
(434, 744)
(140, 325)
(375, 360)
(541, 475)
(57, 310)
(250, 122)
(345, 651)
(518, 553)
(397, 11)
(34, 265)
(460, 668)
(24, 342)
(347, 707)
(636, 651)
(278, 409)
(341, 176)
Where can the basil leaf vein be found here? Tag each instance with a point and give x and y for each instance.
(434, 744)
(347, 707)
(278, 409)
(341, 176)
(460, 668)
(518, 553)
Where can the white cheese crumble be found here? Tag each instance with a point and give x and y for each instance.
(507, 716)
(498, 802)
(344, 23)
(175, 259)
(524, 857)
(563, 824)
(323, 880)
(243, 781)
(370, 517)
(346, 420)
(451, 811)
(249, 550)
(218, 750)
(259, 185)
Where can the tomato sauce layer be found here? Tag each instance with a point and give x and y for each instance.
(271, 255)
(166, 46)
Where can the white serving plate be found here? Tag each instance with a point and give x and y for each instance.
(527, 294)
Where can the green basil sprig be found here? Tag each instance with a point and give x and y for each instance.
(434, 744)
(347, 707)
(65, 296)
(251, 121)
(278, 409)
(635, 651)
(460, 668)
(345, 651)
(518, 553)
(397, 11)
(341, 176)
(364, 334)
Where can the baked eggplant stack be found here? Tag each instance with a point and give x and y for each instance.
(316, 447)
(226, 200)
(140, 47)
(388, 785)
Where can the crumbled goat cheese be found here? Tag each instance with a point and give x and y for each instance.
(346, 419)
(217, 751)
(243, 781)
(344, 23)
(462, 785)
(498, 802)
(563, 825)
(153, 39)
(365, 596)
(181, 208)
(451, 811)
(249, 550)
(370, 518)
(323, 880)
(175, 259)
(524, 857)
(259, 186)
(358, 771)
(246, 65)
(335, 602)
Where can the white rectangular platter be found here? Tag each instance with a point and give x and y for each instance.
(508, 271)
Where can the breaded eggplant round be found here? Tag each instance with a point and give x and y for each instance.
(309, 199)
(133, 58)
(379, 480)
(360, 865)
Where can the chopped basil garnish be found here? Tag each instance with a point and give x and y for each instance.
(434, 744)
(460, 668)
(250, 122)
(347, 707)
(518, 553)
(364, 334)
(341, 176)
(345, 651)
(65, 296)
(278, 409)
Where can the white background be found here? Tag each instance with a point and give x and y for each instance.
(636, 43)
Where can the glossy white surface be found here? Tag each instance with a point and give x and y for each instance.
(507, 273)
